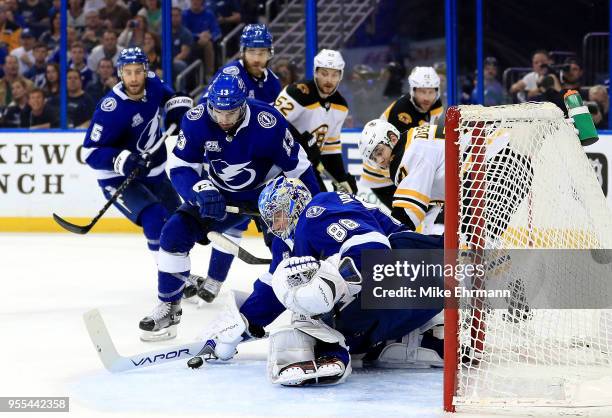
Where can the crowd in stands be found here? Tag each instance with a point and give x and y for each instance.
(97, 31)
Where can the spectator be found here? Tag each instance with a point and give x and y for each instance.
(181, 42)
(227, 13)
(38, 115)
(571, 75)
(114, 15)
(96, 5)
(494, 94)
(11, 74)
(133, 34)
(52, 36)
(599, 95)
(76, 15)
(51, 89)
(105, 80)
(205, 30)
(80, 105)
(286, 72)
(77, 62)
(182, 5)
(108, 49)
(152, 13)
(13, 13)
(25, 53)
(36, 16)
(11, 117)
(54, 10)
(9, 31)
(549, 87)
(152, 47)
(395, 74)
(527, 87)
(37, 71)
(92, 34)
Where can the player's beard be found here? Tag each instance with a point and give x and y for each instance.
(255, 70)
(135, 90)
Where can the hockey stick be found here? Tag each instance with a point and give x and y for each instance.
(114, 362)
(77, 229)
(234, 249)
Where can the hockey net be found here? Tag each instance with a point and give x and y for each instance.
(518, 178)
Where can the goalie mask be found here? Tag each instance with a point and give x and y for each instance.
(376, 132)
(281, 202)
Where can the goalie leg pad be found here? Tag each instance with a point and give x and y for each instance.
(292, 360)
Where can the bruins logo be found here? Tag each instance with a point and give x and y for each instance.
(303, 88)
(404, 118)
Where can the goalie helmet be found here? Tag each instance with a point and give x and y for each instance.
(424, 78)
(283, 200)
(375, 132)
(328, 58)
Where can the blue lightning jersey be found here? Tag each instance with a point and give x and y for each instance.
(266, 88)
(331, 223)
(120, 123)
(239, 164)
(338, 223)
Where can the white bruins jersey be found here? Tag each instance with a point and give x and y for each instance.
(417, 169)
(302, 106)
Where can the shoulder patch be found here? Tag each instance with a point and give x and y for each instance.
(405, 118)
(151, 74)
(303, 88)
(109, 104)
(195, 113)
(231, 70)
(314, 211)
(266, 119)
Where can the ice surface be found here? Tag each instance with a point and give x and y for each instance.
(50, 280)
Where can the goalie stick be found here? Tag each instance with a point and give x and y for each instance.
(77, 229)
(115, 363)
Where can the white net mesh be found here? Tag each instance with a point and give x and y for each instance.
(525, 182)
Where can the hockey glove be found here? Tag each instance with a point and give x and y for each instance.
(348, 185)
(127, 162)
(175, 108)
(309, 142)
(210, 200)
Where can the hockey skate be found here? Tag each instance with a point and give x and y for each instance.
(161, 324)
(323, 371)
(209, 289)
(191, 290)
(415, 351)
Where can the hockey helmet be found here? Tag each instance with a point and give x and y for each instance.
(328, 58)
(131, 56)
(227, 92)
(256, 35)
(424, 77)
(376, 132)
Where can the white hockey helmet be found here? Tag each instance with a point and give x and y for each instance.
(329, 58)
(375, 132)
(424, 77)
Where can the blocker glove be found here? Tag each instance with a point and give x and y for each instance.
(210, 200)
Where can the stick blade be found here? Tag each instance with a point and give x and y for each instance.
(98, 333)
(76, 229)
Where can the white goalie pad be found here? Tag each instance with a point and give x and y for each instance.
(226, 330)
(307, 286)
(291, 356)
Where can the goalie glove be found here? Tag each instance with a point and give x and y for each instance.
(307, 286)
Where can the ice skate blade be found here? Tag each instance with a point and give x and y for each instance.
(161, 335)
